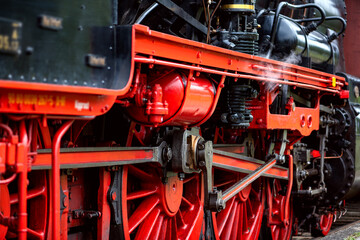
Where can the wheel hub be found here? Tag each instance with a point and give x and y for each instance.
(173, 191)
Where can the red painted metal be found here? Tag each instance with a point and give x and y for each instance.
(52, 101)
(155, 108)
(64, 219)
(288, 190)
(228, 162)
(242, 217)
(103, 224)
(22, 186)
(304, 120)
(143, 135)
(55, 179)
(325, 223)
(188, 101)
(280, 226)
(4, 209)
(8, 180)
(87, 158)
(237, 75)
(154, 210)
(267, 70)
(157, 44)
(229, 193)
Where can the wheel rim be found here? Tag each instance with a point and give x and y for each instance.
(154, 210)
(280, 228)
(326, 223)
(241, 219)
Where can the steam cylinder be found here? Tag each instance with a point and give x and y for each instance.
(291, 39)
(185, 108)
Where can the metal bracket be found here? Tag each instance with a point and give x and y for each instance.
(213, 197)
(114, 197)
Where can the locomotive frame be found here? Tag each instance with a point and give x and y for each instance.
(182, 168)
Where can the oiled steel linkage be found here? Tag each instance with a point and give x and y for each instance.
(55, 179)
(229, 193)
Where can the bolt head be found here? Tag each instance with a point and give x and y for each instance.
(113, 196)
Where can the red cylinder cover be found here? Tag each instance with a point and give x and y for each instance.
(183, 109)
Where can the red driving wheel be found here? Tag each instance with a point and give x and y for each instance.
(324, 225)
(242, 216)
(281, 228)
(156, 209)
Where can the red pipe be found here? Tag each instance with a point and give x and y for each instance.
(8, 180)
(132, 93)
(22, 185)
(234, 75)
(8, 130)
(288, 192)
(55, 179)
(267, 69)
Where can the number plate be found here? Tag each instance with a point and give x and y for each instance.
(10, 36)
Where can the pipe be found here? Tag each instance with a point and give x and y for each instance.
(55, 179)
(136, 84)
(235, 189)
(8, 180)
(8, 130)
(295, 74)
(234, 75)
(146, 13)
(288, 191)
(342, 20)
(22, 187)
(308, 29)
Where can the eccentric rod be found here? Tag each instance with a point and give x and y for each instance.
(236, 188)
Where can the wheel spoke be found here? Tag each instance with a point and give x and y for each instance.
(163, 229)
(142, 211)
(147, 226)
(230, 222)
(250, 209)
(236, 225)
(187, 203)
(173, 229)
(32, 193)
(140, 194)
(186, 180)
(158, 226)
(138, 173)
(223, 216)
(180, 220)
(158, 210)
(218, 185)
(245, 229)
(34, 235)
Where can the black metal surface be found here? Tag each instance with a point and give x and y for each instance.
(115, 204)
(184, 15)
(235, 113)
(54, 40)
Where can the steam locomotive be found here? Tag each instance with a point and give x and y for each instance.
(174, 119)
